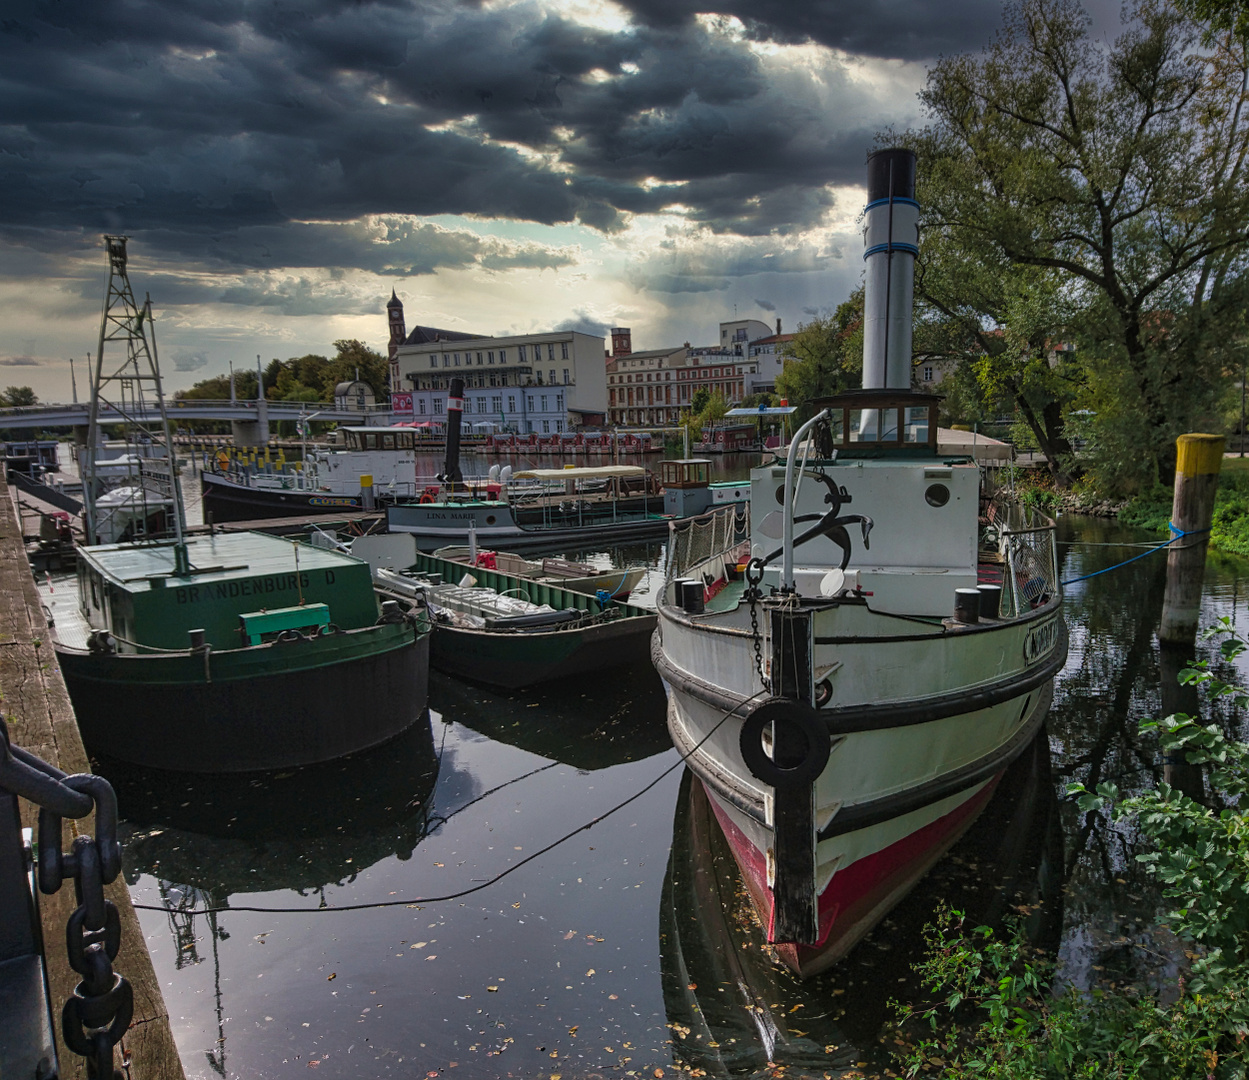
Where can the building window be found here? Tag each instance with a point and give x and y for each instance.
(927, 373)
(563, 350)
(530, 403)
(550, 350)
(565, 376)
(551, 375)
(544, 402)
(437, 406)
(421, 403)
(520, 352)
(481, 405)
(503, 379)
(559, 402)
(502, 356)
(546, 427)
(433, 361)
(457, 359)
(496, 404)
(511, 402)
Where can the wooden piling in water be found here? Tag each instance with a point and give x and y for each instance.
(41, 720)
(1198, 461)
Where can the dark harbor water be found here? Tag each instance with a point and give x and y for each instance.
(630, 946)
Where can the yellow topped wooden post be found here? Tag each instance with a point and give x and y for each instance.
(1198, 461)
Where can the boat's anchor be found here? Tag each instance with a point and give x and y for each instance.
(807, 720)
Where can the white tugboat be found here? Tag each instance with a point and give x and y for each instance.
(851, 705)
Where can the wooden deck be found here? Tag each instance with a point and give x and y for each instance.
(41, 720)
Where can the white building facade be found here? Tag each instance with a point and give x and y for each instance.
(531, 383)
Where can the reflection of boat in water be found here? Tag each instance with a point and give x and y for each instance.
(589, 724)
(734, 1009)
(300, 830)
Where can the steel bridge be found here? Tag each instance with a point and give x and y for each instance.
(40, 417)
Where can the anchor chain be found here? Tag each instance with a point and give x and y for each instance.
(754, 575)
(99, 1013)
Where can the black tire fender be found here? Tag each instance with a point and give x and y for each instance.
(805, 719)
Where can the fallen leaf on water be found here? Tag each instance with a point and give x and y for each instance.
(613, 997)
(517, 904)
(570, 935)
(692, 986)
(493, 989)
(332, 976)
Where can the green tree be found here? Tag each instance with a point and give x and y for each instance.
(1004, 325)
(355, 356)
(824, 357)
(15, 396)
(1121, 171)
(699, 401)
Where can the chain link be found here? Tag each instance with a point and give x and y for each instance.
(99, 1012)
(754, 575)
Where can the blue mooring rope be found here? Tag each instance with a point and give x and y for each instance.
(1176, 534)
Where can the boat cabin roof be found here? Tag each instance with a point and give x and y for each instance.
(587, 472)
(764, 410)
(219, 558)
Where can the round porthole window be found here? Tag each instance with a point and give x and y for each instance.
(937, 495)
(490, 519)
(780, 495)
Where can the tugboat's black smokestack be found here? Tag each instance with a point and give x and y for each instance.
(451, 475)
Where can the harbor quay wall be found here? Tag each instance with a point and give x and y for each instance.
(41, 719)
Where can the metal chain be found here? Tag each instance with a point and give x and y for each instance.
(99, 1013)
(754, 575)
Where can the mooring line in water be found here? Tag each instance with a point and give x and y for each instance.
(418, 901)
(1178, 534)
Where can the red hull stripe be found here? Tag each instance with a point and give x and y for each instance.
(855, 890)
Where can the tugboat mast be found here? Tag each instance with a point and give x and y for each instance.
(118, 397)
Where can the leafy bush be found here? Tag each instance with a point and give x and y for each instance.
(998, 1011)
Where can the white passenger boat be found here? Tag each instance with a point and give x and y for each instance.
(850, 706)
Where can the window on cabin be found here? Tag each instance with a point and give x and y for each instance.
(388, 441)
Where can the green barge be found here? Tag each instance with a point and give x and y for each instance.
(233, 653)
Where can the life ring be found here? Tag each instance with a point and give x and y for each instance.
(805, 719)
(426, 499)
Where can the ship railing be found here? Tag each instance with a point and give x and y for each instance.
(1028, 545)
(697, 541)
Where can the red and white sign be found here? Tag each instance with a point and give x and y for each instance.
(455, 404)
(401, 403)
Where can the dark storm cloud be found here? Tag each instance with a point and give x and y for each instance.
(232, 135)
(767, 305)
(18, 361)
(915, 30)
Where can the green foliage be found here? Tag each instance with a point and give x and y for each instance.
(823, 358)
(16, 396)
(997, 1012)
(1095, 194)
(700, 400)
(1229, 527)
(996, 1018)
(711, 411)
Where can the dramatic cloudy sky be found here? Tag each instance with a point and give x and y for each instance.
(505, 165)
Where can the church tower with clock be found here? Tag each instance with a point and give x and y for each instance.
(398, 335)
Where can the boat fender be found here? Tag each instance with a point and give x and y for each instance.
(805, 719)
